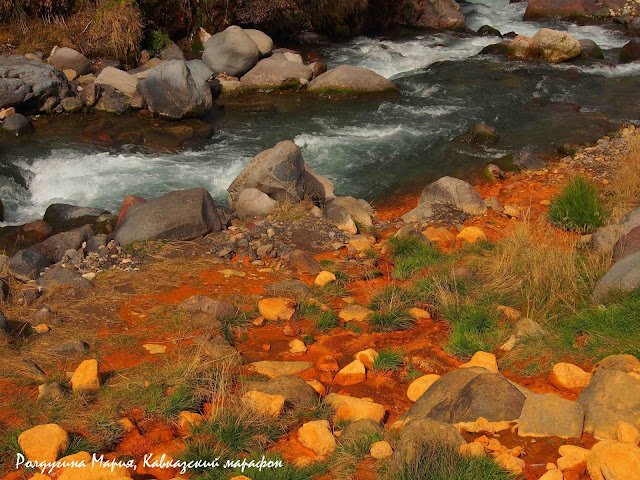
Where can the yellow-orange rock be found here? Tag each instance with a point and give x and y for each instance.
(86, 378)
(621, 461)
(264, 403)
(318, 387)
(317, 436)
(353, 408)
(323, 278)
(351, 374)
(572, 458)
(567, 376)
(471, 235)
(381, 450)
(187, 421)
(511, 464)
(473, 449)
(420, 385)
(440, 236)
(367, 357)
(552, 475)
(418, 314)
(627, 433)
(482, 359)
(277, 308)
(43, 443)
(355, 313)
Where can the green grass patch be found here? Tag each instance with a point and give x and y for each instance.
(391, 305)
(473, 328)
(578, 207)
(326, 320)
(388, 360)
(441, 462)
(412, 255)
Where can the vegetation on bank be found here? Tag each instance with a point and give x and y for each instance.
(578, 207)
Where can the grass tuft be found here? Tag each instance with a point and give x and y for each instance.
(388, 360)
(578, 207)
(411, 255)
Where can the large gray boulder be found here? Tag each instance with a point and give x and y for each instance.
(262, 41)
(548, 415)
(251, 202)
(447, 192)
(28, 84)
(466, 394)
(610, 397)
(231, 51)
(27, 264)
(623, 276)
(66, 57)
(432, 14)
(63, 216)
(296, 392)
(364, 428)
(179, 215)
(276, 72)
(63, 277)
(360, 210)
(178, 89)
(54, 247)
(278, 172)
(348, 79)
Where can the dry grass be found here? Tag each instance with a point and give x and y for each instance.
(546, 275)
(623, 192)
(117, 29)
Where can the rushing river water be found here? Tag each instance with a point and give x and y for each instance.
(368, 147)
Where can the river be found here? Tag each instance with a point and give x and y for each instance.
(371, 147)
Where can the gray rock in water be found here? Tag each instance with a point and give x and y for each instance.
(447, 192)
(296, 392)
(251, 202)
(62, 216)
(27, 264)
(418, 433)
(548, 415)
(72, 104)
(278, 172)
(27, 84)
(63, 277)
(178, 89)
(16, 123)
(348, 79)
(276, 72)
(231, 51)
(591, 50)
(623, 276)
(66, 57)
(54, 248)
(112, 101)
(610, 397)
(527, 160)
(179, 215)
(361, 429)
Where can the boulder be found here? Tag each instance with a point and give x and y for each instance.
(627, 433)
(488, 31)
(557, 46)
(27, 264)
(627, 244)
(351, 374)
(275, 72)
(360, 210)
(339, 216)
(231, 51)
(619, 363)
(288, 288)
(17, 124)
(62, 216)
(72, 104)
(484, 360)
(348, 79)
(527, 161)
(63, 277)
(86, 377)
(91, 94)
(251, 202)
(480, 134)
(118, 79)
(630, 52)
(420, 385)
(611, 460)
(128, 202)
(538, 9)
(43, 443)
(316, 435)
(523, 48)
(278, 172)
(623, 276)
(262, 41)
(214, 309)
(547, 415)
(417, 433)
(275, 309)
(274, 369)
(178, 215)
(355, 313)
(54, 247)
(178, 89)
(171, 52)
(28, 84)
(296, 392)
(432, 14)
(360, 430)
(68, 58)
(523, 329)
(316, 187)
(611, 396)
(590, 50)
(264, 404)
(303, 261)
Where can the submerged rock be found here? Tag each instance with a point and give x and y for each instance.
(348, 79)
(631, 51)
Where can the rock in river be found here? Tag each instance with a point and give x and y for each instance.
(348, 79)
